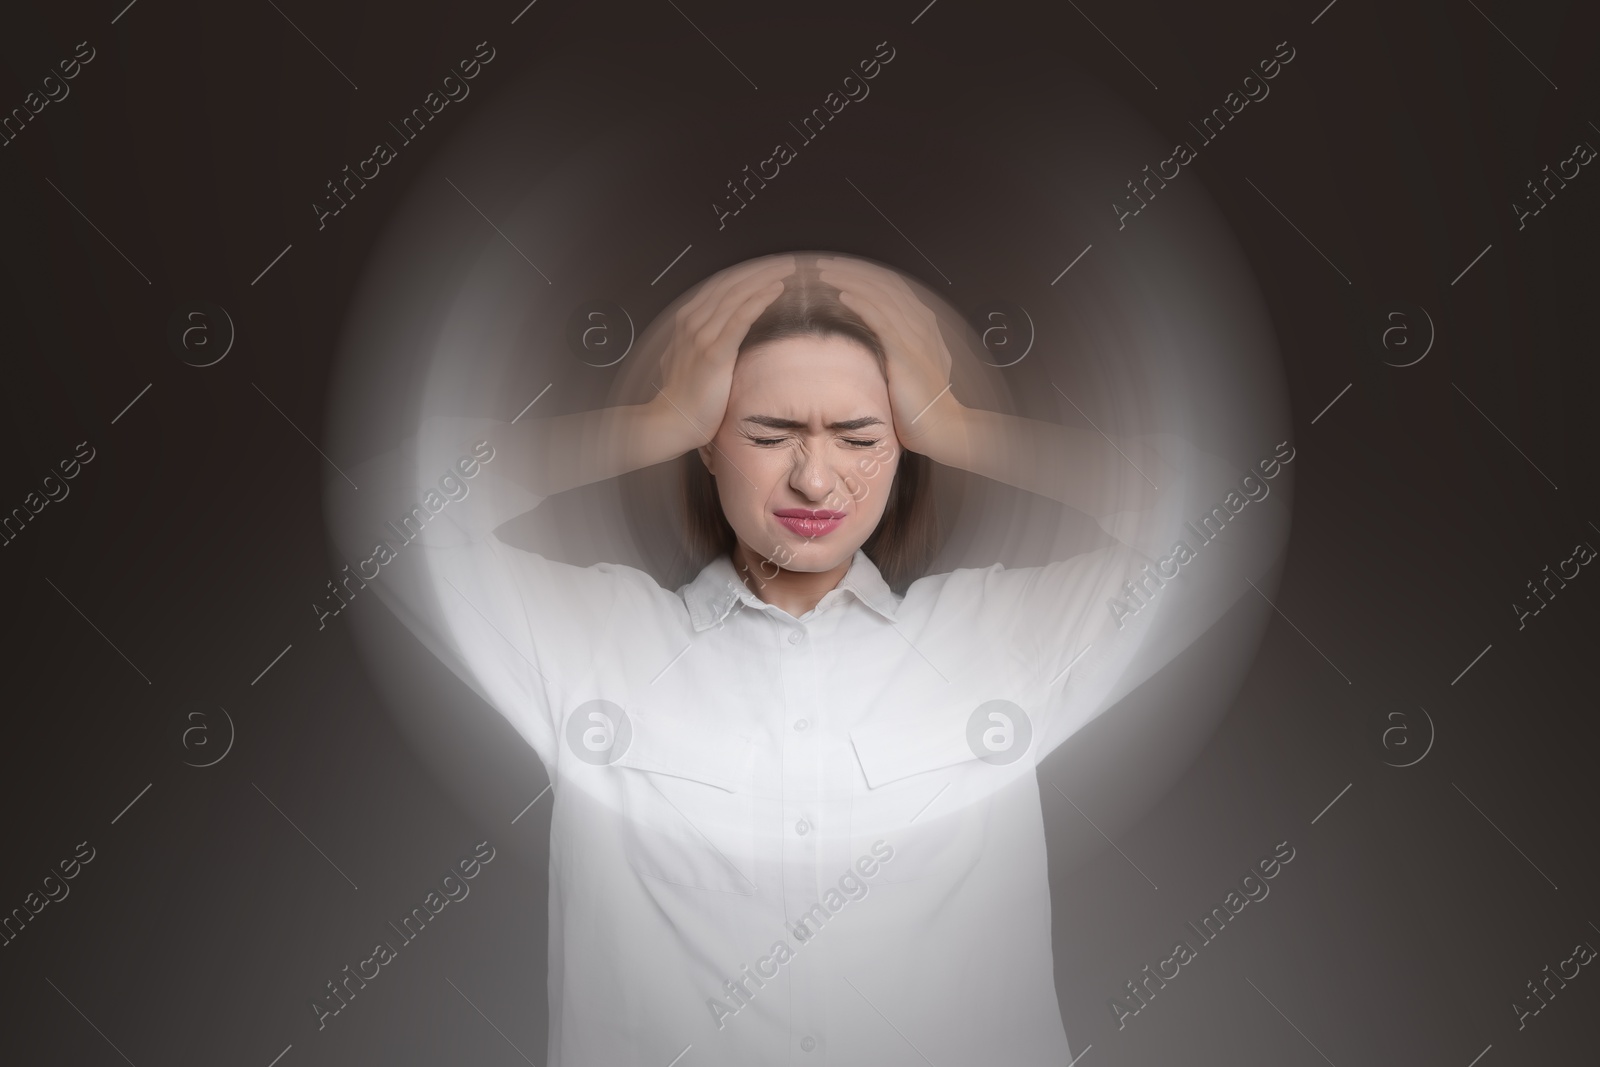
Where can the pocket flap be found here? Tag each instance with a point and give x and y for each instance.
(889, 749)
(668, 745)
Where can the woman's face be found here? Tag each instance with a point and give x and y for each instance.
(808, 429)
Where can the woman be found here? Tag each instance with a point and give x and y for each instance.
(795, 817)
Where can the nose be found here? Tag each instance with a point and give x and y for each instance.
(814, 477)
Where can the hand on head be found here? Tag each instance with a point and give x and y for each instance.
(918, 359)
(697, 367)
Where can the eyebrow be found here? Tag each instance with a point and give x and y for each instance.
(773, 422)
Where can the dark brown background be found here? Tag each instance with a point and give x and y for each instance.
(196, 140)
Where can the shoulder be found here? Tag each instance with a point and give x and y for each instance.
(949, 590)
(573, 587)
(1001, 587)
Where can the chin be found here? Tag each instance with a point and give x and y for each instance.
(820, 556)
(805, 555)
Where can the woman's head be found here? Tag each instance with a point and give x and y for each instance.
(809, 429)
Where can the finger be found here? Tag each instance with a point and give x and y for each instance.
(849, 263)
(911, 316)
(875, 276)
(714, 317)
(734, 284)
(845, 272)
(892, 309)
(761, 290)
(715, 287)
(777, 269)
(862, 269)
(913, 350)
(881, 318)
(861, 287)
(744, 273)
(717, 317)
(733, 329)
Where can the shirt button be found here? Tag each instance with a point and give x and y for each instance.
(794, 638)
(800, 724)
(802, 827)
(807, 1043)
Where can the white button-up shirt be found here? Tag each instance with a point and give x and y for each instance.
(781, 840)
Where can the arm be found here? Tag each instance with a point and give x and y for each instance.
(1082, 468)
(524, 462)
(520, 629)
(548, 456)
(1067, 464)
(697, 375)
(1114, 615)
(538, 458)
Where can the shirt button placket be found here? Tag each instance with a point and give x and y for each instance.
(801, 791)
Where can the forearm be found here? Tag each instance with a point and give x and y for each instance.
(446, 470)
(548, 456)
(1075, 466)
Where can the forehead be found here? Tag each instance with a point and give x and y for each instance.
(799, 373)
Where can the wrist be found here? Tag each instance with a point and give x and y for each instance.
(669, 428)
(938, 430)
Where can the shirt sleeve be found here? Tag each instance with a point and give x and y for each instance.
(1091, 628)
(514, 625)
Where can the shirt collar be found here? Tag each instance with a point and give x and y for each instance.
(717, 591)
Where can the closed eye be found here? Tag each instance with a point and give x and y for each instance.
(854, 442)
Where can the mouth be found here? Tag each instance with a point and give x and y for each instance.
(808, 522)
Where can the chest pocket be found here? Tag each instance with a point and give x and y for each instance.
(921, 790)
(686, 805)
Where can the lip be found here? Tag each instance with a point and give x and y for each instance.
(808, 522)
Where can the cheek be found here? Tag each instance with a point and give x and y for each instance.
(735, 493)
(748, 488)
(857, 478)
(872, 479)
